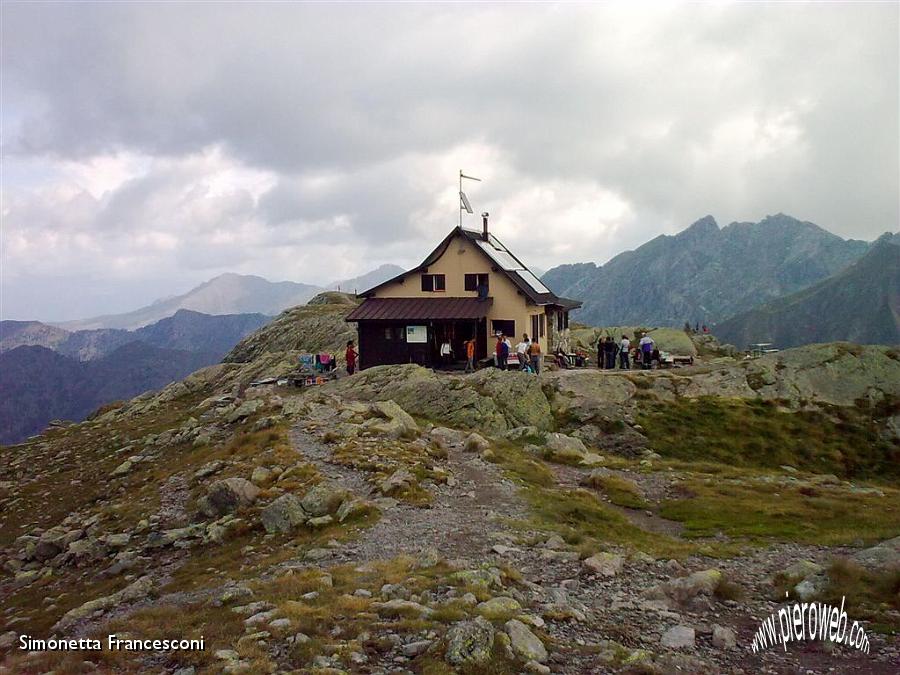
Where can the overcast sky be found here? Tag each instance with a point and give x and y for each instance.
(149, 147)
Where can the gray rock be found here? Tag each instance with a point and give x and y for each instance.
(525, 644)
(604, 564)
(284, 514)
(261, 476)
(323, 500)
(563, 448)
(413, 649)
(244, 410)
(678, 637)
(470, 643)
(8, 639)
(811, 587)
(885, 555)
(722, 637)
(398, 481)
(225, 496)
(137, 590)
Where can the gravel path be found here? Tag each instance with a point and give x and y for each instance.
(463, 521)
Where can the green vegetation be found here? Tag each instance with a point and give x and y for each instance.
(762, 509)
(580, 517)
(870, 595)
(755, 433)
(621, 491)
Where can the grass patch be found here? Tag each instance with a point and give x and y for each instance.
(870, 595)
(766, 510)
(620, 491)
(755, 433)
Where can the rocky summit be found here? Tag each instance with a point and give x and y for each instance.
(408, 521)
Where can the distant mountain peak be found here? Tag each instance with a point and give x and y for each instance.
(706, 225)
(705, 273)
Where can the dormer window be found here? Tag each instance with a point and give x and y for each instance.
(433, 283)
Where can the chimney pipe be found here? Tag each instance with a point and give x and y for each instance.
(484, 218)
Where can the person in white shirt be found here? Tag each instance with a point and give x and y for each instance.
(646, 351)
(624, 351)
(522, 352)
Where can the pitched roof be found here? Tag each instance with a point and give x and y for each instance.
(413, 309)
(502, 259)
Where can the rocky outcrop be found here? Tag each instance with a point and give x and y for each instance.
(227, 495)
(469, 643)
(490, 400)
(284, 514)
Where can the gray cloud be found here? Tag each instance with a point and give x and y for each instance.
(249, 131)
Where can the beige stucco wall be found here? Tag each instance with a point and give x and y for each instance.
(461, 258)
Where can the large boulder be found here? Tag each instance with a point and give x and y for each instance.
(562, 448)
(323, 500)
(470, 643)
(884, 556)
(394, 420)
(137, 590)
(284, 514)
(525, 644)
(225, 496)
(603, 564)
(678, 637)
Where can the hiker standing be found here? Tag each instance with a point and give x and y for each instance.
(535, 356)
(351, 355)
(522, 352)
(610, 350)
(647, 345)
(470, 355)
(502, 351)
(624, 349)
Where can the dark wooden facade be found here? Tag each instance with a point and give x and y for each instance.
(384, 342)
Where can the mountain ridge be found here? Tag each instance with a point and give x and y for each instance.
(705, 273)
(859, 304)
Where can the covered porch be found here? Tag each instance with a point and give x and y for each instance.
(414, 330)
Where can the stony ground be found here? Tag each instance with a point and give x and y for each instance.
(401, 521)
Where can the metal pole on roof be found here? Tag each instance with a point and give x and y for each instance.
(463, 200)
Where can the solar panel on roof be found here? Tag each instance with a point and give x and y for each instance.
(532, 281)
(501, 257)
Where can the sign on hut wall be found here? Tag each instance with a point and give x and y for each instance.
(417, 334)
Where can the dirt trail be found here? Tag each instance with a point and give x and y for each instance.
(464, 520)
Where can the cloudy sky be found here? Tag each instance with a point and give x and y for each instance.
(149, 147)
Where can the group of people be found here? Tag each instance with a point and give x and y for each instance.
(528, 353)
(645, 354)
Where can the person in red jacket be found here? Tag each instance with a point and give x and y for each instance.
(351, 355)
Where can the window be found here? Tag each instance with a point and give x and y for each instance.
(542, 324)
(508, 328)
(538, 326)
(433, 282)
(474, 281)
